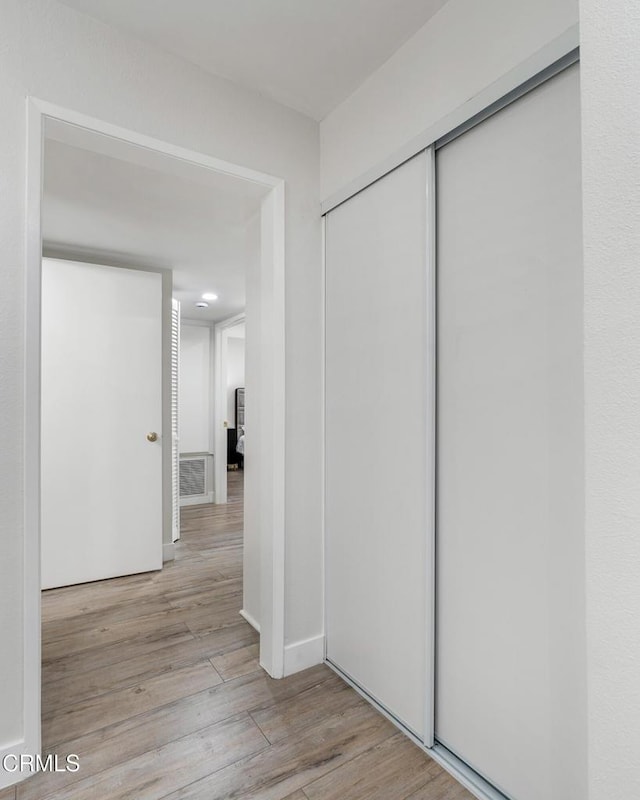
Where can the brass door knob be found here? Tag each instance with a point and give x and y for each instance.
(152, 437)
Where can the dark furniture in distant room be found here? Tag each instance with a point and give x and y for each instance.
(235, 459)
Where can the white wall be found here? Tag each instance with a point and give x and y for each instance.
(464, 48)
(54, 53)
(235, 375)
(195, 402)
(610, 32)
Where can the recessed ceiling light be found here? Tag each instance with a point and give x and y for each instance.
(200, 304)
(209, 296)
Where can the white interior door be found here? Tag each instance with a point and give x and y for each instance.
(101, 396)
(378, 383)
(510, 697)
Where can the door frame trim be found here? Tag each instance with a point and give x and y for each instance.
(273, 269)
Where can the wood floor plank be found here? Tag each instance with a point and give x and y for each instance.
(306, 710)
(86, 598)
(98, 712)
(182, 596)
(75, 664)
(229, 562)
(237, 662)
(77, 642)
(441, 787)
(196, 572)
(152, 729)
(157, 772)
(129, 671)
(200, 619)
(203, 621)
(289, 765)
(211, 600)
(61, 628)
(393, 768)
(8, 794)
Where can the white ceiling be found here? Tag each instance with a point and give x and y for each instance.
(127, 205)
(307, 54)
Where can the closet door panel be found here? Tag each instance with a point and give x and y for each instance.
(510, 697)
(377, 386)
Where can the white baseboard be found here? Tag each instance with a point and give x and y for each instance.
(247, 616)
(168, 552)
(197, 500)
(303, 654)
(297, 655)
(15, 748)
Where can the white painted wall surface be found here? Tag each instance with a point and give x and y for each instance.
(610, 77)
(464, 48)
(54, 53)
(195, 407)
(235, 375)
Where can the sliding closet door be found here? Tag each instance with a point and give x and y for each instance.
(378, 379)
(510, 697)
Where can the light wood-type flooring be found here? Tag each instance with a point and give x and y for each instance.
(153, 681)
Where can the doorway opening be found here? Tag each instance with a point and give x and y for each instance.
(95, 136)
(229, 381)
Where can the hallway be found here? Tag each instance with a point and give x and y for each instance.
(153, 681)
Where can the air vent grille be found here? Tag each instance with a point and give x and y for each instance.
(192, 477)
